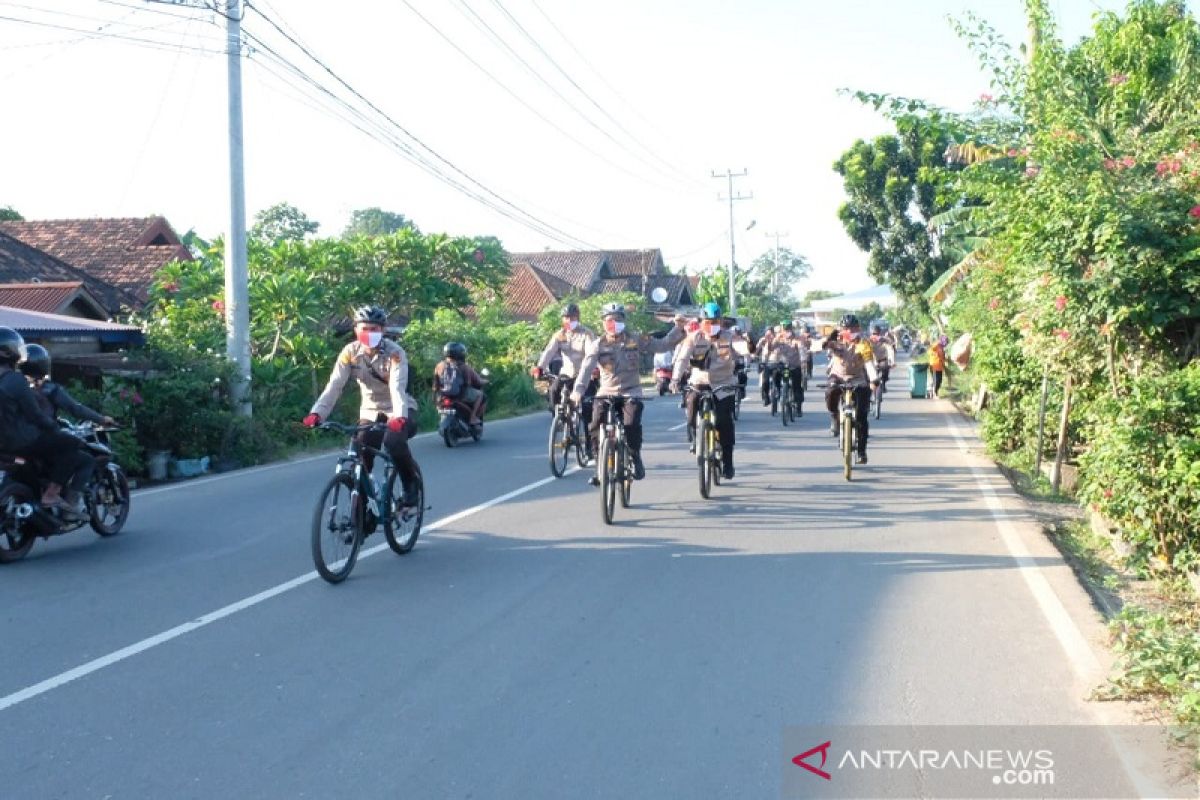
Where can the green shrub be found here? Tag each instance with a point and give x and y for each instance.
(1142, 469)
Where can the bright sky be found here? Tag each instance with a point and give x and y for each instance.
(671, 90)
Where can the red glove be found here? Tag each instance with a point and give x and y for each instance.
(396, 424)
(536, 372)
(312, 420)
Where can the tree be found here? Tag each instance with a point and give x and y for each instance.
(281, 222)
(814, 295)
(896, 184)
(375, 221)
(10, 214)
(791, 267)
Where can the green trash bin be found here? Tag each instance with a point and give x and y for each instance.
(918, 375)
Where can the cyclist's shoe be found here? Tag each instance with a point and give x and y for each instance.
(594, 481)
(410, 499)
(727, 471)
(833, 428)
(692, 447)
(799, 411)
(639, 469)
(766, 403)
(861, 458)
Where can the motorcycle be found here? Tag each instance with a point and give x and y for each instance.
(454, 416)
(22, 517)
(662, 379)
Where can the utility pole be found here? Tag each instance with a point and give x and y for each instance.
(237, 279)
(775, 275)
(729, 176)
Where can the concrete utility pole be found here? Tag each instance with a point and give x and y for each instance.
(237, 279)
(775, 275)
(729, 176)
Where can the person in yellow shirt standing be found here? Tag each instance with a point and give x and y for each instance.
(937, 364)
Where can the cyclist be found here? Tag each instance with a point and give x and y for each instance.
(567, 346)
(785, 352)
(711, 352)
(29, 431)
(852, 363)
(739, 359)
(381, 368)
(764, 368)
(884, 353)
(618, 353)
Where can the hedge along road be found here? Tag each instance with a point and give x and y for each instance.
(526, 649)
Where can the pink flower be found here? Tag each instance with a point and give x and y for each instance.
(1063, 334)
(1117, 78)
(218, 306)
(171, 287)
(985, 98)
(1031, 172)
(1013, 152)
(136, 399)
(994, 303)
(1108, 493)
(1060, 302)
(1128, 161)
(1194, 212)
(1109, 164)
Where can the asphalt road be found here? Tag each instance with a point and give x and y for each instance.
(525, 649)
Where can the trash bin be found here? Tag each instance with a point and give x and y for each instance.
(918, 375)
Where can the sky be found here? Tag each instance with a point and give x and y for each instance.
(595, 124)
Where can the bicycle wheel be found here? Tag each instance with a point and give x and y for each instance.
(737, 406)
(16, 535)
(774, 399)
(403, 524)
(878, 400)
(337, 529)
(608, 479)
(847, 446)
(581, 438)
(559, 446)
(625, 473)
(714, 455)
(109, 506)
(785, 402)
(703, 440)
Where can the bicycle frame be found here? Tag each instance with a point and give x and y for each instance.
(353, 464)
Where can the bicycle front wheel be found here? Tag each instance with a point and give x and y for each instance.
(785, 404)
(625, 474)
(714, 456)
(703, 441)
(403, 524)
(847, 446)
(878, 400)
(608, 479)
(581, 439)
(337, 529)
(558, 446)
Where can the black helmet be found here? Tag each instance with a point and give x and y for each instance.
(37, 361)
(614, 310)
(12, 347)
(876, 330)
(570, 310)
(455, 350)
(850, 321)
(370, 314)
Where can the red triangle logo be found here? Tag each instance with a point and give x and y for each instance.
(823, 749)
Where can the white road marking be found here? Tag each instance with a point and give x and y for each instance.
(116, 656)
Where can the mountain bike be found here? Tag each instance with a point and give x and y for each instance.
(708, 441)
(877, 400)
(353, 505)
(616, 461)
(787, 407)
(568, 431)
(849, 430)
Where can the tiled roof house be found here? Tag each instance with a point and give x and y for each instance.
(68, 298)
(22, 264)
(123, 253)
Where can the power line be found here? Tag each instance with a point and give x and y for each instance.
(489, 197)
(100, 33)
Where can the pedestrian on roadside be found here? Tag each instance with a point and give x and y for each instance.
(937, 364)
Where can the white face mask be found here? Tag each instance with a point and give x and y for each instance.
(619, 327)
(573, 324)
(373, 339)
(715, 330)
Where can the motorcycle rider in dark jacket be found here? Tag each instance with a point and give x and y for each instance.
(28, 431)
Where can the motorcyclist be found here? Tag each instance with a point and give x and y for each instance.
(381, 368)
(567, 346)
(618, 353)
(712, 352)
(470, 392)
(852, 363)
(28, 431)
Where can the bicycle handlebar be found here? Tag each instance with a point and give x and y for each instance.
(350, 430)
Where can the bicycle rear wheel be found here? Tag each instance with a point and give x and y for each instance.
(581, 438)
(403, 524)
(337, 529)
(625, 473)
(878, 400)
(703, 440)
(774, 398)
(714, 456)
(558, 446)
(847, 446)
(785, 403)
(608, 479)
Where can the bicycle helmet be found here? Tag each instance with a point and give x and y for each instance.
(850, 321)
(876, 330)
(455, 350)
(615, 310)
(12, 347)
(571, 310)
(787, 324)
(372, 315)
(37, 361)
(710, 310)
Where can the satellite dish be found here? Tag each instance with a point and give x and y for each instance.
(659, 295)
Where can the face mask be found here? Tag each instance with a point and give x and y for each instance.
(370, 338)
(571, 324)
(612, 326)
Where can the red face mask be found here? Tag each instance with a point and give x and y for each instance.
(370, 338)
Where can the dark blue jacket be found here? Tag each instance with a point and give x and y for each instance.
(21, 419)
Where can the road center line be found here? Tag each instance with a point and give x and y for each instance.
(116, 656)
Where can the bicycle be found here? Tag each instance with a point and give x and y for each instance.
(781, 395)
(849, 429)
(877, 400)
(616, 461)
(567, 430)
(708, 440)
(352, 506)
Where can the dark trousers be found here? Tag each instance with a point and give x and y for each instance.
(775, 376)
(725, 428)
(631, 415)
(63, 459)
(562, 384)
(396, 446)
(937, 380)
(862, 407)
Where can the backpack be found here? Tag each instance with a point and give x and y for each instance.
(451, 379)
